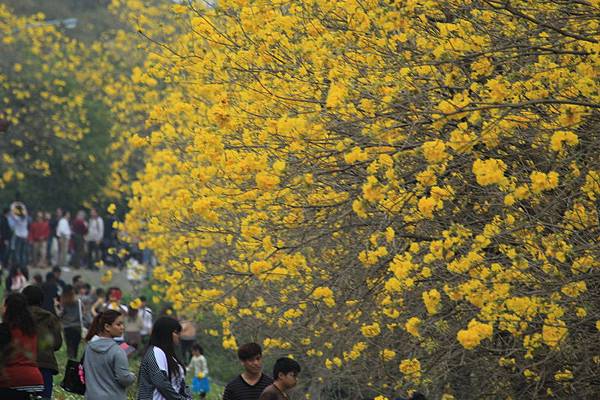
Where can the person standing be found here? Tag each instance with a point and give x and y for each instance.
(113, 302)
(19, 224)
(94, 238)
(39, 233)
(107, 374)
(199, 368)
(71, 318)
(133, 327)
(51, 291)
(63, 233)
(188, 338)
(146, 313)
(285, 372)
(249, 384)
(79, 230)
(52, 249)
(162, 373)
(16, 280)
(18, 347)
(5, 238)
(49, 331)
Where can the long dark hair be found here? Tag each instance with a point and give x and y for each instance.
(17, 314)
(103, 318)
(162, 337)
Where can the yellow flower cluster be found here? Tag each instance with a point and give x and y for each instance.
(325, 294)
(489, 172)
(476, 332)
(370, 331)
(411, 368)
(541, 181)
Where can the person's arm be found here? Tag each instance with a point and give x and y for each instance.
(267, 395)
(228, 393)
(203, 366)
(56, 330)
(98, 302)
(160, 380)
(122, 374)
(100, 229)
(60, 228)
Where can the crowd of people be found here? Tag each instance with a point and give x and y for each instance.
(44, 240)
(41, 315)
(45, 316)
(42, 318)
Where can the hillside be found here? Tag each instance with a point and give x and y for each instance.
(93, 17)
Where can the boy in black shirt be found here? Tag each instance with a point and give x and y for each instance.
(250, 383)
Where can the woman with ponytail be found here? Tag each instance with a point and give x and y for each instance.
(105, 364)
(162, 373)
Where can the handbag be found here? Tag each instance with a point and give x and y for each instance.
(74, 379)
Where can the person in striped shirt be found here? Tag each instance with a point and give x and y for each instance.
(249, 384)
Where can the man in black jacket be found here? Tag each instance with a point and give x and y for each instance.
(5, 236)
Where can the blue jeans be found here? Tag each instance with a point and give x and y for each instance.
(20, 251)
(48, 376)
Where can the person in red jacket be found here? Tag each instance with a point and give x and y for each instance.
(19, 375)
(39, 232)
(79, 228)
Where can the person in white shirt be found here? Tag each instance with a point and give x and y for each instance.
(199, 368)
(63, 232)
(94, 238)
(146, 313)
(162, 373)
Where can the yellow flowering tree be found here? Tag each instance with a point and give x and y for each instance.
(400, 194)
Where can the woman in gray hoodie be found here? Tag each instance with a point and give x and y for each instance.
(105, 364)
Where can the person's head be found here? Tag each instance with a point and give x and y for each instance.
(80, 214)
(19, 210)
(17, 315)
(132, 313)
(108, 323)
(16, 270)
(57, 271)
(250, 355)
(114, 295)
(77, 280)
(50, 277)
(68, 295)
(39, 216)
(285, 372)
(93, 213)
(38, 280)
(59, 213)
(100, 292)
(34, 295)
(66, 215)
(165, 335)
(47, 216)
(144, 300)
(85, 289)
(197, 350)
